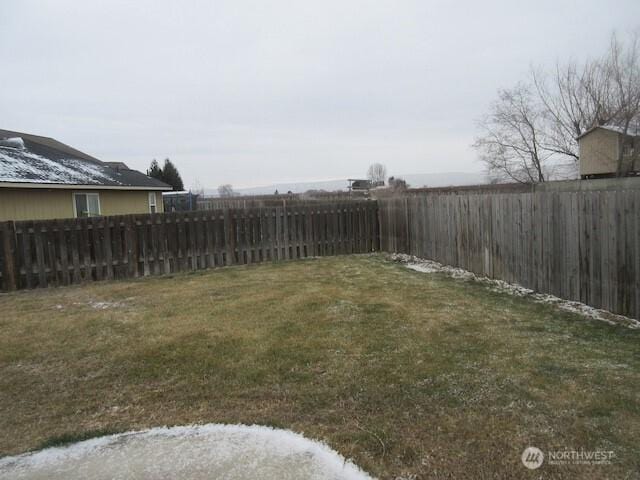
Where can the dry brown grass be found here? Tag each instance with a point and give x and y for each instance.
(409, 374)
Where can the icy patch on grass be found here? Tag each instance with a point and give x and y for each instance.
(104, 305)
(193, 452)
(429, 266)
(97, 305)
(423, 267)
(343, 309)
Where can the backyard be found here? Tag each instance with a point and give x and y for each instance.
(409, 374)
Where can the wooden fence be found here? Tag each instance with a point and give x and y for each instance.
(266, 201)
(61, 252)
(581, 245)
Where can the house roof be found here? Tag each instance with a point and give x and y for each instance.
(33, 161)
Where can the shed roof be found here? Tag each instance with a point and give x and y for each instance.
(33, 161)
(633, 130)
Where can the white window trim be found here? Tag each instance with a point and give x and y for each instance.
(73, 200)
(155, 201)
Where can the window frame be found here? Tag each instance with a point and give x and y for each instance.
(155, 202)
(86, 194)
(627, 150)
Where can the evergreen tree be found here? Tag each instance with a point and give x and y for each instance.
(154, 170)
(171, 176)
(168, 174)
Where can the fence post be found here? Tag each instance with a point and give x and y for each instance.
(407, 227)
(9, 255)
(131, 241)
(229, 236)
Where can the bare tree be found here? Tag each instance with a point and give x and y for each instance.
(197, 188)
(377, 173)
(603, 91)
(511, 135)
(226, 190)
(624, 65)
(574, 99)
(531, 131)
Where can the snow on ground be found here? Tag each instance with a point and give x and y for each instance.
(95, 304)
(104, 305)
(429, 266)
(98, 304)
(202, 452)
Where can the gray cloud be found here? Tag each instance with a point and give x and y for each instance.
(251, 92)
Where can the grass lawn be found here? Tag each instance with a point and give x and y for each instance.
(409, 374)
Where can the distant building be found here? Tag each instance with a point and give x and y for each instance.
(360, 184)
(41, 178)
(601, 148)
(180, 201)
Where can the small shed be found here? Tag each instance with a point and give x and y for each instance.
(604, 146)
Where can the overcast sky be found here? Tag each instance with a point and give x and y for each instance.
(256, 92)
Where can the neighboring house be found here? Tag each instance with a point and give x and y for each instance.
(41, 178)
(602, 147)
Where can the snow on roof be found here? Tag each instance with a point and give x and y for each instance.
(23, 160)
(180, 192)
(24, 166)
(633, 129)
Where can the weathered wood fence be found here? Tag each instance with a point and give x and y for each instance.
(267, 201)
(61, 252)
(579, 245)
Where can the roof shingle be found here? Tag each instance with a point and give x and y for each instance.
(42, 160)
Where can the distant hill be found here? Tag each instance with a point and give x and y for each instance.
(447, 179)
(414, 180)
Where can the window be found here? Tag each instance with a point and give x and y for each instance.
(152, 202)
(627, 150)
(86, 204)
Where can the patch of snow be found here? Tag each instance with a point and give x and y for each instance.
(104, 305)
(25, 166)
(193, 452)
(429, 266)
(633, 128)
(423, 267)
